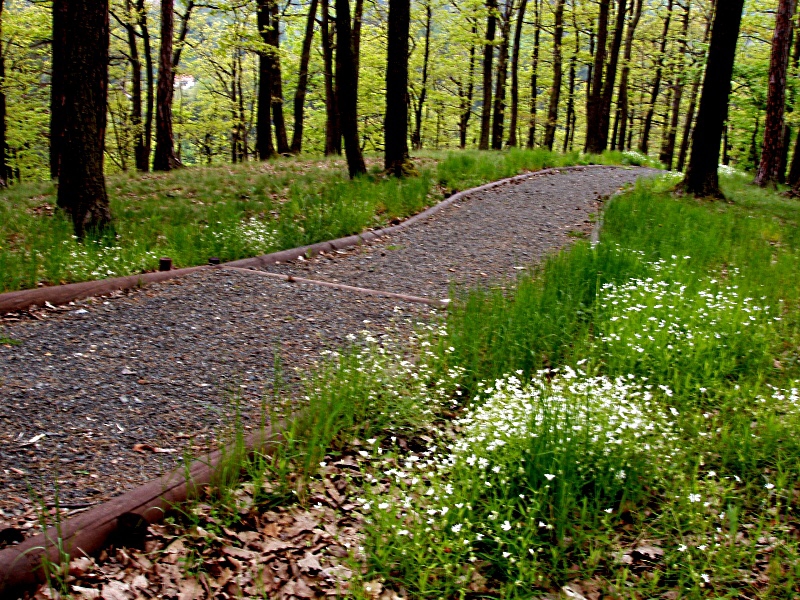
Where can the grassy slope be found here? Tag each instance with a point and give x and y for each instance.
(233, 211)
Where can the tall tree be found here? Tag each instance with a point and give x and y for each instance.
(3, 158)
(488, 59)
(465, 93)
(129, 22)
(83, 29)
(165, 158)
(595, 94)
(555, 91)
(701, 177)
(264, 145)
(622, 97)
(333, 132)
(149, 75)
(57, 86)
(512, 124)
(772, 150)
(537, 29)
(396, 117)
(498, 115)
(348, 97)
(668, 150)
(302, 80)
(573, 63)
(611, 76)
(416, 136)
(656, 89)
(277, 79)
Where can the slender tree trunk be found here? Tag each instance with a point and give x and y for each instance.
(794, 169)
(57, 85)
(82, 28)
(465, 106)
(264, 146)
(687, 126)
(753, 155)
(488, 58)
(595, 97)
(396, 117)
(769, 168)
(701, 176)
(272, 39)
(555, 91)
(302, 80)
(348, 96)
(589, 78)
(416, 136)
(651, 107)
(537, 29)
(236, 130)
(3, 154)
(149, 79)
(332, 124)
(668, 153)
(725, 146)
(498, 116)
(181, 41)
(165, 159)
(573, 63)
(358, 14)
(512, 125)
(140, 153)
(611, 75)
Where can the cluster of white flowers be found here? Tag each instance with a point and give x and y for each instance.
(635, 158)
(251, 236)
(98, 261)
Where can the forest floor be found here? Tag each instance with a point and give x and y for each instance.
(618, 421)
(237, 211)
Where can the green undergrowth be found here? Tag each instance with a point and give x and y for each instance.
(622, 423)
(237, 211)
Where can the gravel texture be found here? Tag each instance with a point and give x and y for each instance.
(485, 238)
(162, 366)
(159, 367)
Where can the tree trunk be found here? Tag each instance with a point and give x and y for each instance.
(396, 118)
(753, 156)
(141, 156)
(488, 58)
(83, 34)
(555, 91)
(416, 136)
(668, 151)
(3, 155)
(701, 176)
(772, 150)
(264, 146)
(273, 39)
(611, 76)
(573, 63)
(499, 110)
(648, 120)
(537, 29)
(595, 97)
(465, 105)
(165, 159)
(333, 134)
(687, 126)
(358, 14)
(348, 96)
(57, 85)
(512, 125)
(302, 81)
(149, 79)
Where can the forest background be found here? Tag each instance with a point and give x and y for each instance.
(539, 54)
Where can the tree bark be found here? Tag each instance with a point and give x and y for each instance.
(57, 85)
(595, 95)
(281, 138)
(687, 126)
(537, 29)
(348, 96)
(512, 124)
(701, 175)
(499, 110)
(333, 136)
(164, 158)
(416, 136)
(555, 91)
(358, 14)
(668, 151)
(396, 118)
(611, 76)
(3, 156)
(264, 146)
(141, 156)
(488, 58)
(149, 80)
(302, 81)
(772, 150)
(651, 107)
(82, 28)
(573, 63)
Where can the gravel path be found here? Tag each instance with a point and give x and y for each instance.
(161, 366)
(482, 239)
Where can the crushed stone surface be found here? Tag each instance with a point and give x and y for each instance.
(167, 366)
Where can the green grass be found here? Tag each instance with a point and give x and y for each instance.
(235, 211)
